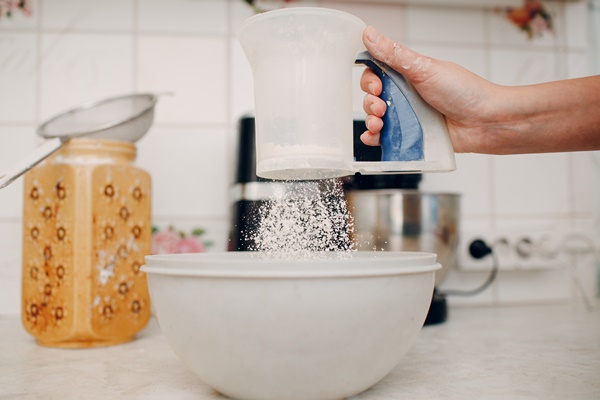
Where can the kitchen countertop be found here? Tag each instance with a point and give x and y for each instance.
(524, 352)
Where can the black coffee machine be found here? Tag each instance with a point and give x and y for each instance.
(249, 193)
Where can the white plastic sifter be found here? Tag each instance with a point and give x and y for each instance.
(302, 60)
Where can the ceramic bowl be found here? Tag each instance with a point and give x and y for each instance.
(255, 327)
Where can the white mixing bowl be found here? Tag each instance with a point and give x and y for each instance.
(255, 328)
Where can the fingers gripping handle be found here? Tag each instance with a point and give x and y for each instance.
(402, 134)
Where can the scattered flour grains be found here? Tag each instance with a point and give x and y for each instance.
(302, 219)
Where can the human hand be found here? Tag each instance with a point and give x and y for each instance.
(466, 100)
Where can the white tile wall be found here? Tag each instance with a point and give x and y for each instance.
(575, 13)
(80, 67)
(585, 174)
(194, 68)
(578, 64)
(532, 185)
(186, 165)
(515, 287)
(15, 142)
(446, 25)
(523, 66)
(10, 268)
(241, 90)
(72, 51)
(70, 15)
(183, 16)
(18, 84)
(472, 179)
(388, 18)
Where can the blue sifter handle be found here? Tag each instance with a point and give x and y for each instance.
(402, 134)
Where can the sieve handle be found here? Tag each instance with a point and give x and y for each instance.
(401, 137)
(40, 153)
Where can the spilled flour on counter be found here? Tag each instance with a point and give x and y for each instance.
(302, 219)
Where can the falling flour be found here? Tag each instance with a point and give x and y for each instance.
(303, 219)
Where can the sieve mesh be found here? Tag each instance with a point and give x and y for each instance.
(125, 118)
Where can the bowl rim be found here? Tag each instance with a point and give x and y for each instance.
(250, 265)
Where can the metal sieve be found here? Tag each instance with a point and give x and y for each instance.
(126, 118)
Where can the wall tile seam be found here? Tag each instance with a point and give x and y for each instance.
(487, 54)
(215, 35)
(19, 124)
(163, 219)
(404, 17)
(442, 43)
(523, 46)
(561, 61)
(571, 188)
(11, 220)
(18, 30)
(138, 31)
(39, 56)
(132, 31)
(162, 125)
(475, 217)
(578, 288)
(555, 48)
(135, 46)
(442, 4)
(224, 35)
(156, 217)
(577, 51)
(497, 46)
(544, 300)
(229, 141)
(188, 125)
(565, 216)
(413, 42)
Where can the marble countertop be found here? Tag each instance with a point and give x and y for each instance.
(525, 352)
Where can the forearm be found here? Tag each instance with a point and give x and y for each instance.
(549, 117)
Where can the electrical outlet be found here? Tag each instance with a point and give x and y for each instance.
(514, 250)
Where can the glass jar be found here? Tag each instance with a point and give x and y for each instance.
(86, 230)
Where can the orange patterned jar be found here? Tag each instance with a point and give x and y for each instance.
(86, 230)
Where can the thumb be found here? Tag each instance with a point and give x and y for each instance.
(409, 63)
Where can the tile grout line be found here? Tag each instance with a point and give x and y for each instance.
(228, 96)
(201, 125)
(487, 39)
(134, 46)
(488, 72)
(560, 47)
(38, 69)
(117, 32)
(526, 46)
(405, 30)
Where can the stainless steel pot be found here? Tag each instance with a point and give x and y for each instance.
(407, 220)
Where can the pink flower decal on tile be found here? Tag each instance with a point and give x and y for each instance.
(171, 241)
(190, 244)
